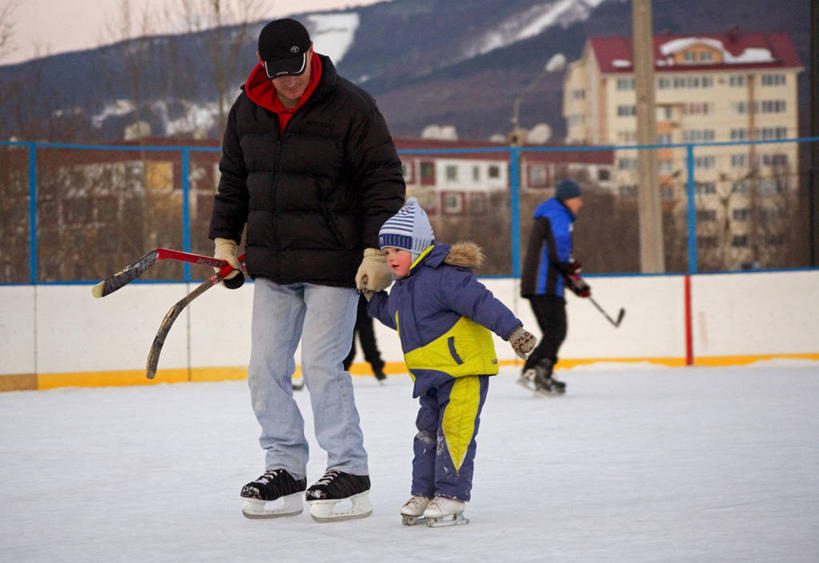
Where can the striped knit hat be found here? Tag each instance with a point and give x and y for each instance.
(409, 229)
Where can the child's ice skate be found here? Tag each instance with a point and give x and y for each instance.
(442, 511)
(412, 513)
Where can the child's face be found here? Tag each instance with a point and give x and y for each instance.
(399, 260)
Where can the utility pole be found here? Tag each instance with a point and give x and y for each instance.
(813, 177)
(652, 255)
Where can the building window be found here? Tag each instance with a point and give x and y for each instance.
(740, 187)
(578, 94)
(625, 84)
(739, 134)
(408, 170)
(627, 190)
(773, 106)
(427, 174)
(663, 113)
(741, 214)
(706, 215)
(736, 80)
(537, 176)
(451, 173)
(664, 138)
(705, 188)
(478, 204)
(707, 242)
(453, 203)
(773, 79)
(494, 171)
(739, 161)
(625, 111)
(739, 241)
(705, 161)
(627, 164)
(476, 174)
(665, 166)
(663, 83)
(603, 174)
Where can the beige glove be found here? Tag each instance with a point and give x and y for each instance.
(225, 249)
(522, 342)
(373, 274)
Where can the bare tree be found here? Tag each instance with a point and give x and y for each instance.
(7, 25)
(223, 29)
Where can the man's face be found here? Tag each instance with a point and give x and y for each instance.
(399, 260)
(291, 88)
(574, 204)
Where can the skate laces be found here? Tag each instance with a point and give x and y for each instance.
(269, 476)
(327, 478)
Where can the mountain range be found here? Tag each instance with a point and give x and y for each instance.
(442, 62)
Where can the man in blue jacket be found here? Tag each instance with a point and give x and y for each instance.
(547, 270)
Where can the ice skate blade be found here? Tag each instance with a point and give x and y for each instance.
(324, 510)
(408, 520)
(527, 384)
(548, 393)
(290, 505)
(446, 521)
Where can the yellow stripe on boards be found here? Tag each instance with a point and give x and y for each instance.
(459, 417)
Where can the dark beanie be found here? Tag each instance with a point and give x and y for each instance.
(567, 189)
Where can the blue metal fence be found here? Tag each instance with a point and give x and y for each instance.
(513, 155)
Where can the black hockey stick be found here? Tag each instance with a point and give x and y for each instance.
(620, 314)
(132, 271)
(170, 317)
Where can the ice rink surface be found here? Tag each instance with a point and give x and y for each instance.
(636, 463)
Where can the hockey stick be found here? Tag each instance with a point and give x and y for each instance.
(132, 271)
(170, 317)
(620, 314)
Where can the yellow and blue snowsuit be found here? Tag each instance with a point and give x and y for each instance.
(443, 316)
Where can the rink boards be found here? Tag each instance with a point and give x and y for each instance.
(59, 335)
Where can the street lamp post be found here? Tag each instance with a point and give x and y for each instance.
(556, 63)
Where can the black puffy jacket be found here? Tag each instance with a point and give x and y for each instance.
(314, 197)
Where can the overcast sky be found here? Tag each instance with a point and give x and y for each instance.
(47, 27)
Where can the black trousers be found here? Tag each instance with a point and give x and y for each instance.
(366, 335)
(550, 312)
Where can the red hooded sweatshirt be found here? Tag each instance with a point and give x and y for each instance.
(260, 90)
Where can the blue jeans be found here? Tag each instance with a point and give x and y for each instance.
(322, 317)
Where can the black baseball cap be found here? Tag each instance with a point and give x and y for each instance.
(283, 46)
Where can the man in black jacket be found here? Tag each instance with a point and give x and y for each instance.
(309, 166)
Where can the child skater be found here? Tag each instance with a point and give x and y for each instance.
(443, 316)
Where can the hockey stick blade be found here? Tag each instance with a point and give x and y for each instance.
(132, 271)
(173, 313)
(620, 314)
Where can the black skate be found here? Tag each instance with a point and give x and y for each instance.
(545, 384)
(277, 487)
(379, 374)
(337, 487)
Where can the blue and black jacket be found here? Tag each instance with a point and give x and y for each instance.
(444, 316)
(549, 250)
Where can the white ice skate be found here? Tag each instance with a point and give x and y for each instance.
(290, 505)
(330, 510)
(412, 513)
(442, 511)
(527, 379)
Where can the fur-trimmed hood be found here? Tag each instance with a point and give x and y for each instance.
(465, 254)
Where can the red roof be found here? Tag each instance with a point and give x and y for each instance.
(610, 52)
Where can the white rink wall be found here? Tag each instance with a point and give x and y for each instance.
(60, 332)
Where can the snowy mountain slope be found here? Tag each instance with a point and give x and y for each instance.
(426, 61)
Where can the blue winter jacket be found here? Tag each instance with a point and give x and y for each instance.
(443, 316)
(549, 250)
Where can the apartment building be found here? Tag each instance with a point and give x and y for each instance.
(729, 87)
